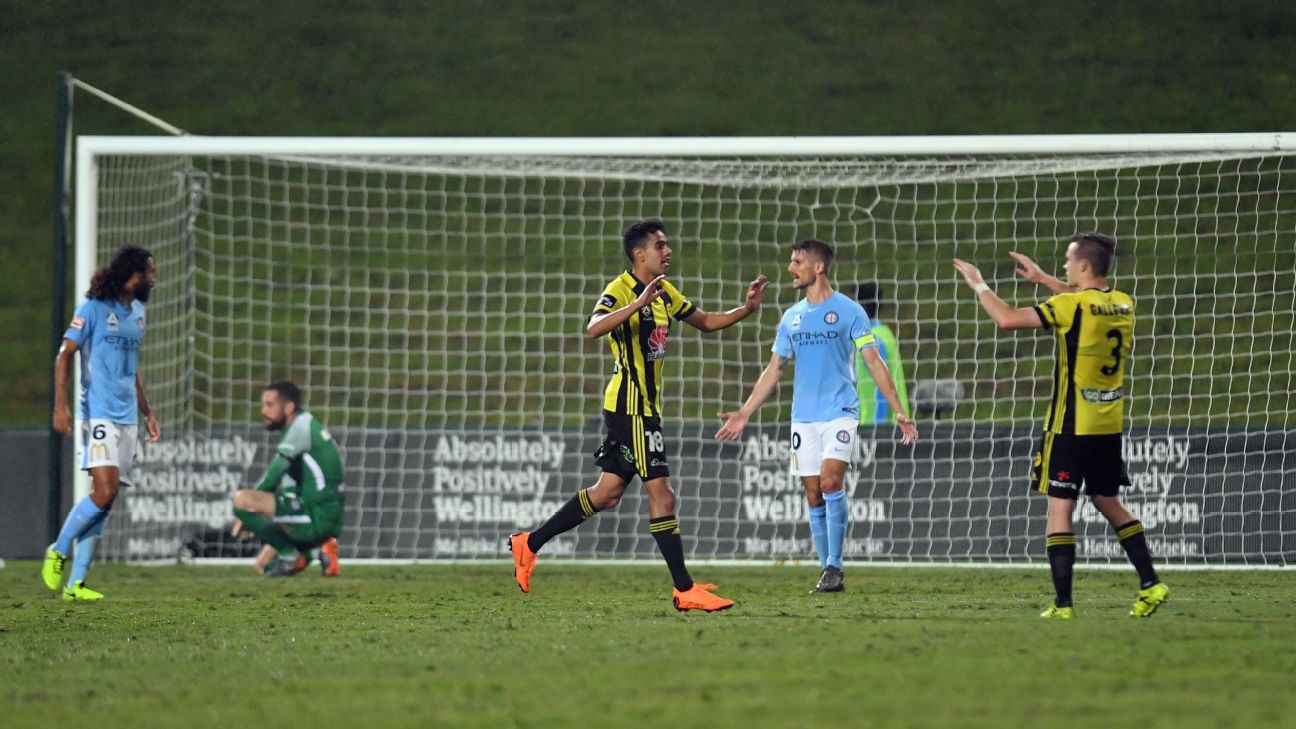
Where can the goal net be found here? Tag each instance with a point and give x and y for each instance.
(430, 298)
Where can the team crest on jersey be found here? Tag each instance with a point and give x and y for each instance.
(830, 317)
(843, 436)
(112, 321)
(77, 322)
(656, 344)
(796, 322)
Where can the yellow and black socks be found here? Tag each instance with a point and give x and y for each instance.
(666, 531)
(1136, 548)
(1061, 555)
(571, 515)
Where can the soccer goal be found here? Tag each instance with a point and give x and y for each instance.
(430, 297)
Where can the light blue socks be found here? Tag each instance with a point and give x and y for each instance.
(86, 547)
(835, 504)
(79, 521)
(819, 533)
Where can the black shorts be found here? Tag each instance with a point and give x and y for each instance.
(633, 447)
(1063, 462)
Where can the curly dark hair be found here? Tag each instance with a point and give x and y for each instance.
(108, 283)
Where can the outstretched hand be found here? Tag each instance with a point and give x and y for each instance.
(733, 427)
(756, 292)
(971, 273)
(1029, 270)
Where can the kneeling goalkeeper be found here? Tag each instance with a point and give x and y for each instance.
(297, 506)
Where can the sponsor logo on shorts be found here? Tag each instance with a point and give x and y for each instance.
(77, 322)
(830, 317)
(1063, 485)
(658, 462)
(98, 452)
(1093, 394)
(627, 454)
(843, 436)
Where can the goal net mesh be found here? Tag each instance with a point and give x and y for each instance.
(433, 309)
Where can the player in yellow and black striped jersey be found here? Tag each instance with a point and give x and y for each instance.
(1095, 329)
(636, 311)
(1081, 443)
(639, 344)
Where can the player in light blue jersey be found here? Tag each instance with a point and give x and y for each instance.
(822, 333)
(107, 330)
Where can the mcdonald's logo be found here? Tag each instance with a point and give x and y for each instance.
(98, 452)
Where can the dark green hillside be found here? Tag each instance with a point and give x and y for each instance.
(655, 68)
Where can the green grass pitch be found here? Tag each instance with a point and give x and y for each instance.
(602, 647)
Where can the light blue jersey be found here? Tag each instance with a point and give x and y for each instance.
(109, 335)
(822, 339)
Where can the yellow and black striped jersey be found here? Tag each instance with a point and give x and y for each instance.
(639, 345)
(1095, 330)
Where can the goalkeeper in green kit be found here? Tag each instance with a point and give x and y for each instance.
(297, 506)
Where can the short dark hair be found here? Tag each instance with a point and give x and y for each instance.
(109, 282)
(1098, 249)
(817, 248)
(286, 390)
(869, 295)
(637, 234)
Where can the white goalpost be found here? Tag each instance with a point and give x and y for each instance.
(429, 295)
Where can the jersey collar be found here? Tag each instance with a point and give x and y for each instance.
(635, 284)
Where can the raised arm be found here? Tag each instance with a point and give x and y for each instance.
(1005, 316)
(1031, 271)
(765, 385)
(603, 323)
(62, 376)
(150, 422)
(882, 378)
(712, 321)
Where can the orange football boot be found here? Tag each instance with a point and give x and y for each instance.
(329, 558)
(524, 560)
(698, 598)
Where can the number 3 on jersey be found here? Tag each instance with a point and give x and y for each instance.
(1111, 369)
